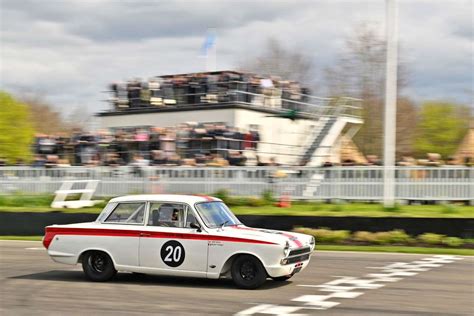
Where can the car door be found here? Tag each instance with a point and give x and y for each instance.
(120, 233)
(169, 245)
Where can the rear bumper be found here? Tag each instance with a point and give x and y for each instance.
(61, 257)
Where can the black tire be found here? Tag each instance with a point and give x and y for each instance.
(98, 266)
(248, 272)
(282, 278)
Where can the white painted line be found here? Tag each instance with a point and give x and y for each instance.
(368, 252)
(254, 309)
(308, 285)
(270, 309)
(283, 310)
(311, 298)
(336, 288)
(382, 277)
(403, 273)
(315, 253)
(35, 248)
(358, 283)
(346, 294)
(344, 287)
(316, 301)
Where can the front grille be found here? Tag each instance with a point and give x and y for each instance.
(299, 251)
(298, 258)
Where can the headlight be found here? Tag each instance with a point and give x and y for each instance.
(286, 250)
(312, 242)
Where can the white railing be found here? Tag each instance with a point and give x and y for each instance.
(345, 183)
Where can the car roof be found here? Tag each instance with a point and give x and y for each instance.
(190, 199)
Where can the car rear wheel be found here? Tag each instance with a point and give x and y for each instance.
(98, 266)
(282, 278)
(248, 272)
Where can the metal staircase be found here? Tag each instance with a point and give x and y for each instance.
(319, 133)
(331, 119)
(330, 116)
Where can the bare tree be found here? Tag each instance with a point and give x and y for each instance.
(406, 126)
(80, 118)
(280, 61)
(360, 72)
(45, 120)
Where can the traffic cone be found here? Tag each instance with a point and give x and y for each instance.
(284, 201)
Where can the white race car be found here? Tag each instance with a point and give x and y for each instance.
(180, 235)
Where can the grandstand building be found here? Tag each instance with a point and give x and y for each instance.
(293, 127)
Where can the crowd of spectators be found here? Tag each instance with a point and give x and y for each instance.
(431, 160)
(188, 144)
(208, 88)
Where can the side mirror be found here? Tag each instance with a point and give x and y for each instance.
(196, 226)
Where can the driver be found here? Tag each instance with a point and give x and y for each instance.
(175, 215)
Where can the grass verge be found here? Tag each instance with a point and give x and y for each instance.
(359, 209)
(28, 238)
(398, 249)
(264, 205)
(297, 209)
(45, 209)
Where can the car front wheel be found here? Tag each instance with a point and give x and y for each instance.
(248, 272)
(98, 266)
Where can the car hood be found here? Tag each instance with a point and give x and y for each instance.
(295, 240)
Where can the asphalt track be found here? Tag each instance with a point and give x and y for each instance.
(381, 284)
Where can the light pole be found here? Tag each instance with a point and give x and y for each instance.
(391, 26)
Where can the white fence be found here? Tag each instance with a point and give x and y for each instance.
(346, 183)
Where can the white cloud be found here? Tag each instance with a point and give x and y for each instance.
(70, 50)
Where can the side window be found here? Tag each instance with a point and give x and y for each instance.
(127, 213)
(190, 218)
(105, 212)
(166, 215)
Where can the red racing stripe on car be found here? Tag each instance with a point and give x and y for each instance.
(293, 239)
(244, 228)
(204, 237)
(206, 197)
(51, 232)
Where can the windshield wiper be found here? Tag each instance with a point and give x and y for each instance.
(223, 224)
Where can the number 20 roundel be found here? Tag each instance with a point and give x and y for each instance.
(172, 253)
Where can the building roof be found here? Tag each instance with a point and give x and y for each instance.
(204, 107)
(217, 72)
(189, 199)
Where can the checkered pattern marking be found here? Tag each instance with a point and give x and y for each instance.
(346, 287)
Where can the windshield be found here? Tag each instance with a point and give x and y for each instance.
(216, 214)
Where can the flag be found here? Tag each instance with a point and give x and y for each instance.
(209, 42)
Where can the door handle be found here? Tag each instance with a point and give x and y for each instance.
(145, 234)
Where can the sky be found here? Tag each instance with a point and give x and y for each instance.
(68, 51)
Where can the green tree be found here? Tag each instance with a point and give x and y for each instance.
(440, 128)
(16, 131)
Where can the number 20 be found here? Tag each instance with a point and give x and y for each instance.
(174, 254)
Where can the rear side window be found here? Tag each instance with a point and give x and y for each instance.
(127, 213)
(105, 212)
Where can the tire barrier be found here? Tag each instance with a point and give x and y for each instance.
(32, 224)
